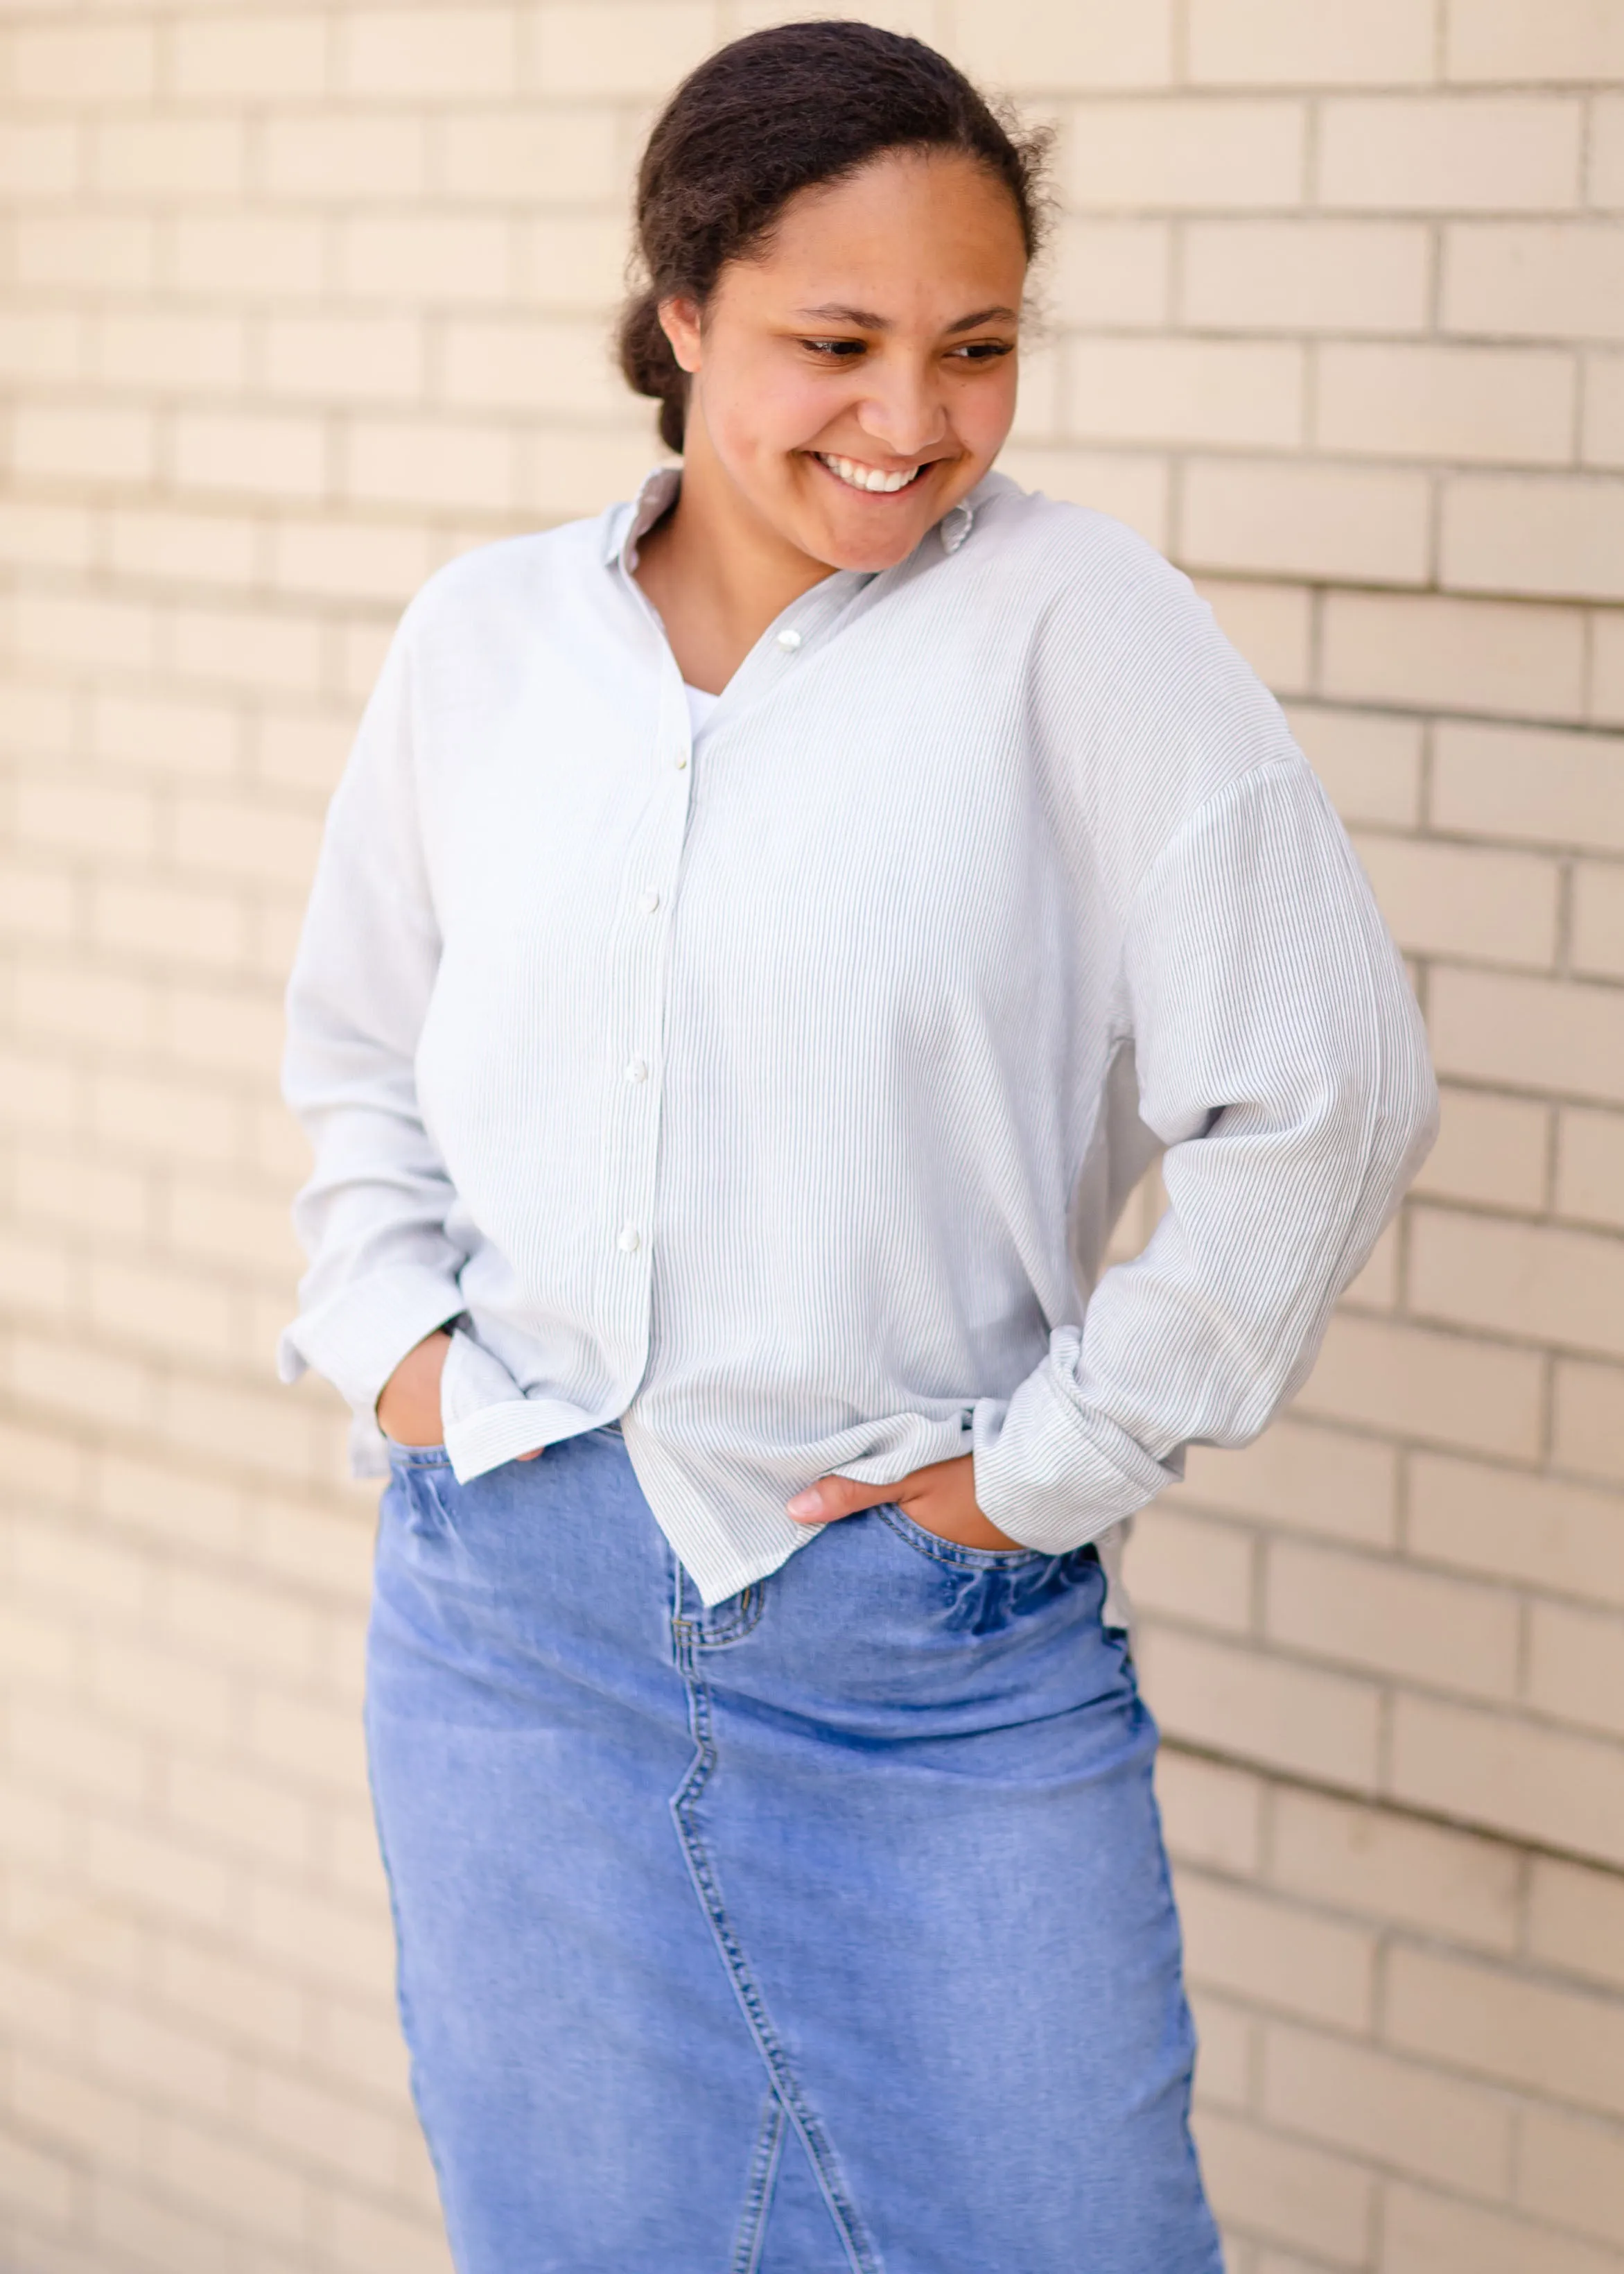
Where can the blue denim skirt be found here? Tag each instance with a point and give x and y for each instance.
(827, 1931)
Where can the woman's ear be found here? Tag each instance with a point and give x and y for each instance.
(680, 322)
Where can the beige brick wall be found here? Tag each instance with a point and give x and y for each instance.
(297, 300)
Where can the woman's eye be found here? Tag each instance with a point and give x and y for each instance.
(984, 350)
(844, 350)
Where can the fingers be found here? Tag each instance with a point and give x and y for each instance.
(835, 1496)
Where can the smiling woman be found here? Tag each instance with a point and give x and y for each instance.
(761, 937)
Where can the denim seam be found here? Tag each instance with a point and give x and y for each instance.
(952, 1551)
(763, 2171)
(859, 2249)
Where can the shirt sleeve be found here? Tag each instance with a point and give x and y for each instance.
(1281, 1061)
(371, 1217)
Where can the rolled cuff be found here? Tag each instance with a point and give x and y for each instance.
(357, 1337)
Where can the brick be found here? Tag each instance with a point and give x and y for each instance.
(311, 156)
(328, 1551)
(161, 1498)
(431, 463)
(1494, 780)
(1299, 276)
(1577, 1665)
(39, 160)
(221, 1027)
(154, 2234)
(171, 2062)
(1232, 1699)
(1606, 704)
(1369, 762)
(1492, 1150)
(97, 1576)
(1465, 901)
(340, 1947)
(1606, 175)
(1523, 659)
(276, 457)
(568, 153)
(1270, 624)
(35, 2179)
(1286, 42)
(1536, 535)
(1130, 486)
(1438, 1389)
(1308, 1480)
(1376, 1615)
(427, 53)
(37, 1094)
(1277, 1955)
(1526, 1280)
(1589, 1422)
(229, 1810)
(1561, 40)
(244, 2189)
(1599, 919)
(83, 64)
(1027, 45)
(1319, 521)
(258, 58)
(1226, 2059)
(249, 647)
(165, 734)
(157, 1875)
(1186, 1566)
(365, 2236)
(96, 817)
(143, 1685)
(38, 903)
(1590, 1167)
(1575, 1919)
(345, 358)
(246, 838)
(45, 536)
(303, 750)
(1572, 2172)
(171, 348)
(81, 442)
(183, 548)
(170, 1311)
(551, 368)
(1602, 441)
(1213, 1812)
(83, 251)
(327, 2130)
(1500, 154)
(1472, 403)
(103, 1008)
(248, 255)
(41, 344)
(75, 2112)
(372, 561)
(1540, 2036)
(1393, 2112)
(1435, 2234)
(1531, 279)
(572, 471)
(1182, 156)
(626, 47)
(229, 1224)
(1106, 272)
(1530, 1781)
(298, 1737)
(169, 157)
(1394, 1868)
(260, 2010)
(1287, 2191)
(575, 261)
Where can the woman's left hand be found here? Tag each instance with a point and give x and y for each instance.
(941, 1498)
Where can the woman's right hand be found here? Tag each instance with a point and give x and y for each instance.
(407, 1406)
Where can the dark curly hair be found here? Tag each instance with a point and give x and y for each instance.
(775, 113)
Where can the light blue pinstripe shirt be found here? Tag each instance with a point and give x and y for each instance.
(776, 1088)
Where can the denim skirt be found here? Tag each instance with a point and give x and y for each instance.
(826, 1931)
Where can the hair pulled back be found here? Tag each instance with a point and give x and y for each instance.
(772, 114)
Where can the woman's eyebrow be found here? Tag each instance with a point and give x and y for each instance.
(865, 319)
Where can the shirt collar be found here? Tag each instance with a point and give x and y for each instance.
(625, 525)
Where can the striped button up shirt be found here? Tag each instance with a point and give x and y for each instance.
(774, 1086)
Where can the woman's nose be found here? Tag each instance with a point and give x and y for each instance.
(904, 417)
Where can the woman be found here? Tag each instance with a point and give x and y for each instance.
(761, 936)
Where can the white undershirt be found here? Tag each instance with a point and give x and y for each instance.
(700, 706)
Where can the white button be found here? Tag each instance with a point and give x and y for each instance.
(682, 761)
(789, 636)
(638, 1070)
(650, 901)
(631, 1240)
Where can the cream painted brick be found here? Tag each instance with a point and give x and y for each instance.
(1287, 2191)
(369, 561)
(625, 48)
(39, 160)
(1277, 1955)
(162, 1309)
(259, 2009)
(71, 2110)
(171, 349)
(546, 368)
(1214, 1813)
(1575, 1919)
(1233, 1699)
(297, 1737)
(1512, 533)
(36, 2181)
(334, 1944)
(38, 903)
(366, 2236)
(169, 157)
(154, 1874)
(329, 2130)
(83, 64)
(571, 261)
(1606, 174)
(163, 1501)
(1454, 153)
(1369, 762)
(1393, 2112)
(221, 1029)
(1271, 625)
(83, 251)
(1556, 40)
(1577, 1665)
(45, 536)
(1105, 273)
(1435, 2234)
(1607, 705)
(126, 2218)
(70, 1750)
(1310, 43)
(143, 1685)
(456, 259)
(230, 2181)
(97, 1576)
(227, 257)
(1188, 1567)
(1465, 900)
(81, 442)
(1375, 1285)
(1533, 279)
(232, 1226)
(183, 548)
(1490, 1149)
(1599, 919)
(37, 719)
(1185, 155)
(1308, 1480)
(1303, 276)
(327, 1551)
(567, 154)
(1530, 1781)
(1521, 660)
(1572, 2172)
(1473, 403)
(242, 1623)
(1590, 1167)
(1132, 487)
(1383, 1618)
(274, 457)
(41, 344)
(1603, 442)
(1534, 2034)
(428, 463)
(230, 1810)
(1535, 1281)
(37, 1093)
(256, 57)
(245, 838)
(67, 1004)
(1440, 1389)
(1320, 521)
(1395, 1869)
(345, 358)
(1089, 45)
(173, 2063)
(191, 738)
(1553, 788)
(303, 750)
(313, 156)
(427, 54)
(247, 648)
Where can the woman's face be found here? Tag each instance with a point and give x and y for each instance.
(857, 378)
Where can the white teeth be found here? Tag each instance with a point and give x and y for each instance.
(868, 478)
